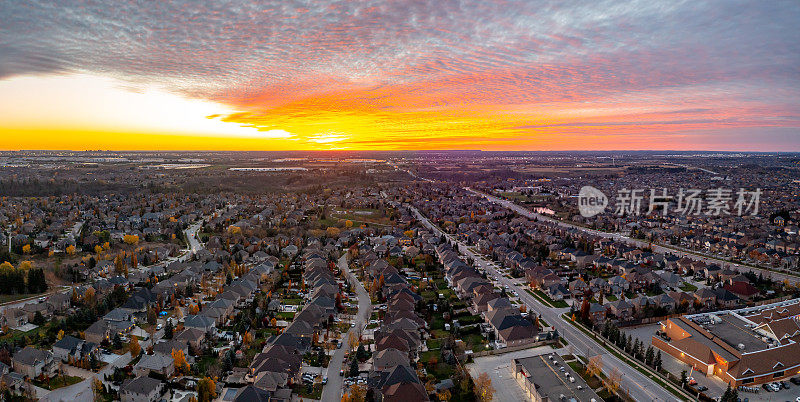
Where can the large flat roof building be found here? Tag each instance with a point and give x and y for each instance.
(547, 378)
(747, 346)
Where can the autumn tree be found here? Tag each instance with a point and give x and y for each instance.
(97, 389)
(180, 361)
(134, 346)
(484, 390)
(356, 393)
(131, 239)
(70, 250)
(89, 297)
(206, 390)
(595, 366)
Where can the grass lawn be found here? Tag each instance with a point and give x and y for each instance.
(295, 301)
(611, 298)
(548, 300)
(15, 297)
(308, 391)
(688, 287)
(58, 382)
(288, 316)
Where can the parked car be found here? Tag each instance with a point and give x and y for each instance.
(795, 380)
(702, 388)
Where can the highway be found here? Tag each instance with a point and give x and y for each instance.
(332, 391)
(639, 387)
(775, 276)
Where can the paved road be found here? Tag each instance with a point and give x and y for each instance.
(639, 387)
(332, 391)
(776, 276)
(82, 391)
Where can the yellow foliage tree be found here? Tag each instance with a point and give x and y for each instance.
(60, 334)
(134, 346)
(131, 239)
(348, 223)
(26, 249)
(180, 361)
(483, 387)
(70, 250)
(206, 390)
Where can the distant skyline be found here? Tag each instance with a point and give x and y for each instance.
(400, 75)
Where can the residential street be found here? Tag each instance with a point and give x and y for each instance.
(639, 387)
(332, 391)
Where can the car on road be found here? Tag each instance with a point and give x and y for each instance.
(341, 372)
(339, 344)
(353, 325)
(159, 326)
(692, 381)
(702, 388)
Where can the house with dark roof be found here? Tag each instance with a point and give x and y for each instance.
(72, 348)
(141, 389)
(32, 362)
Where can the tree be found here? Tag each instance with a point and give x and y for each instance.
(180, 361)
(484, 390)
(353, 368)
(26, 249)
(206, 390)
(60, 334)
(70, 250)
(131, 239)
(444, 396)
(134, 346)
(97, 388)
(117, 343)
(730, 395)
(356, 393)
(684, 379)
(657, 361)
(168, 330)
(594, 366)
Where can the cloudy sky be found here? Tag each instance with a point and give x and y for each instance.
(494, 75)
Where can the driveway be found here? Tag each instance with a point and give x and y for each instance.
(332, 391)
(82, 391)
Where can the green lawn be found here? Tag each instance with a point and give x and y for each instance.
(288, 316)
(548, 300)
(688, 287)
(58, 382)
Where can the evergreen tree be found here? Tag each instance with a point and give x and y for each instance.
(648, 357)
(354, 368)
(657, 361)
(168, 330)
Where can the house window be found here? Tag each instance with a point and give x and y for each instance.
(778, 374)
(747, 381)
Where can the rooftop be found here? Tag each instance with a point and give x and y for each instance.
(544, 371)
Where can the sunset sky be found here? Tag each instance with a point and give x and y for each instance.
(390, 74)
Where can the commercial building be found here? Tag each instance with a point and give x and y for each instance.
(547, 378)
(748, 346)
